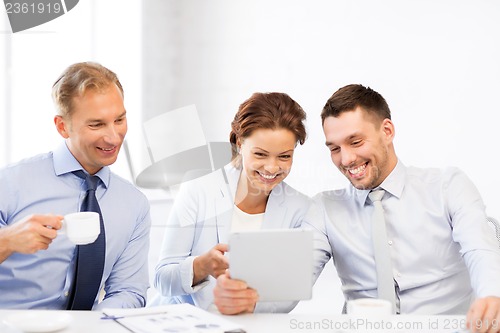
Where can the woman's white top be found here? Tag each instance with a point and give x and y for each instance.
(245, 222)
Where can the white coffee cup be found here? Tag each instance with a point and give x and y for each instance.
(369, 307)
(81, 228)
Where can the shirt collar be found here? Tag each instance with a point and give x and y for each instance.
(393, 184)
(65, 162)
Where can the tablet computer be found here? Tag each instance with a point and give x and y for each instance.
(278, 263)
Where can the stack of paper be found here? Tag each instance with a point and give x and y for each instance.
(171, 318)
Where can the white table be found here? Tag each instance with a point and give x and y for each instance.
(91, 322)
(81, 321)
(343, 323)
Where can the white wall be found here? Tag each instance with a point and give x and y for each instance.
(436, 63)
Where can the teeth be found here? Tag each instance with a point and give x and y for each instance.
(268, 176)
(105, 149)
(357, 170)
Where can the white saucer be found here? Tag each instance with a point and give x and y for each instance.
(38, 321)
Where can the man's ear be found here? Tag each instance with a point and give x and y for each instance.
(61, 126)
(388, 128)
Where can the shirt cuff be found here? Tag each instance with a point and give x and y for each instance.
(187, 275)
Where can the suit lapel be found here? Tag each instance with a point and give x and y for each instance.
(276, 210)
(224, 201)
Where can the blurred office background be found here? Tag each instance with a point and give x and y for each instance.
(436, 63)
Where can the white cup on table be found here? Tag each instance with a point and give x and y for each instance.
(82, 227)
(369, 307)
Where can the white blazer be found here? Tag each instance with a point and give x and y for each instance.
(201, 218)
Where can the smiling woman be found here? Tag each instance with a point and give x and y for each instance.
(247, 194)
(267, 156)
(264, 134)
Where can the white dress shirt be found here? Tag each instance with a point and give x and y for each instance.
(443, 251)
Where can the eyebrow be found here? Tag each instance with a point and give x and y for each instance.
(123, 114)
(350, 137)
(283, 152)
(100, 120)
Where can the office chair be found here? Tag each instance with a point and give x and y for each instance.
(496, 226)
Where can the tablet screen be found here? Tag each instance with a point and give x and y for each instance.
(278, 263)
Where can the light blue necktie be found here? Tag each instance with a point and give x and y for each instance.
(90, 257)
(385, 279)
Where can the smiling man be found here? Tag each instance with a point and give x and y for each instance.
(444, 256)
(38, 265)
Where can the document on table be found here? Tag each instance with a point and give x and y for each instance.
(171, 318)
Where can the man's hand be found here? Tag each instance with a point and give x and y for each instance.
(29, 235)
(234, 296)
(484, 315)
(211, 263)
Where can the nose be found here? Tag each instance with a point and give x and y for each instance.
(347, 157)
(272, 166)
(112, 135)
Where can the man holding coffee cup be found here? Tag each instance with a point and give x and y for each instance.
(38, 263)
